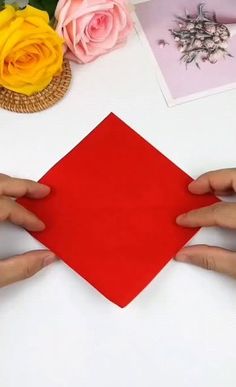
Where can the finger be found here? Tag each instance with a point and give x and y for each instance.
(219, 182)
(15, 213)
(210, 258)
(224, 193)
(21, 187)
(24, 266)
(220, 214)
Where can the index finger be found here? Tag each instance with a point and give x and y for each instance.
(14, 187)
(220, 214)
(220, 182)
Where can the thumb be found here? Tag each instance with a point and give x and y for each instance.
(24, 266)
(210, 258)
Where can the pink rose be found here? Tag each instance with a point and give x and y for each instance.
(91, 28)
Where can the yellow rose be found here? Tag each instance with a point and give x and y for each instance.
(31, 52)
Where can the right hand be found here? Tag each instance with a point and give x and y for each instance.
(220, 183)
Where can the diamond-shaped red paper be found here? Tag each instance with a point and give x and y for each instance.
(111, 214)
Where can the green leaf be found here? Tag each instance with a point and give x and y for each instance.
(2, 5)
(36, 4)
(46, 5)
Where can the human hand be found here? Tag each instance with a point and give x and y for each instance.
(220, 183)
(22, 266)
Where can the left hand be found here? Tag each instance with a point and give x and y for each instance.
(221, 183)
(25, 265)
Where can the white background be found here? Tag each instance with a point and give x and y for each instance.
(55, 329)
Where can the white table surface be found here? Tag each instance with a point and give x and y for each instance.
(55, 329)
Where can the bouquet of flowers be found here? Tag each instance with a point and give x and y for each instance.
(39, 37)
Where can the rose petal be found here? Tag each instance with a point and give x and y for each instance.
(99, 27)
(93, 27)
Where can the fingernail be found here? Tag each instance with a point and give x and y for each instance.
(181, 257)
(41, 225)
(44, 185)
(49, 188)
(179, 218)
(49, 258)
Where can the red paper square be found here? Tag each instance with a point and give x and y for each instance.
(111, 214)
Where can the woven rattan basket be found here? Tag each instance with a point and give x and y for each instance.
(15, 102)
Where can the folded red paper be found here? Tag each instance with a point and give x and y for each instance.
(111, 214)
